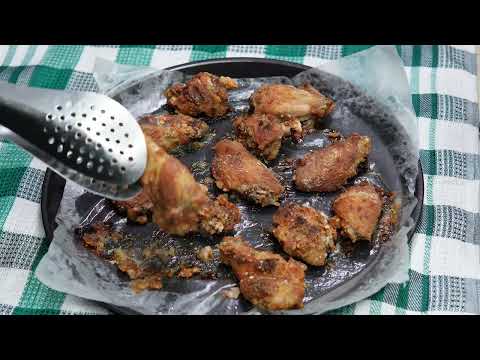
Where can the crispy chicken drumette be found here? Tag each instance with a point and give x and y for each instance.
(177, 198)
(304, 233)
(171, 131)
(180, 204)
(328, 168)
(263, 133)
(204, 94)
(358, 210)
(266, 279)
(235, 169)
(303, 103)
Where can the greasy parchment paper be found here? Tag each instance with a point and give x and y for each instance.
(377, 104)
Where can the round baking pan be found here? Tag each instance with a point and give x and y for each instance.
(53, 185)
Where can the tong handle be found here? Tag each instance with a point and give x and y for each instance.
(18, 119)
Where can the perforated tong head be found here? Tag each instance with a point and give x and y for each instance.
(85, 137)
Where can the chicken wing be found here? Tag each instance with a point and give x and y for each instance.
(204, 94)
(138, 209)
(180, 204)
(235, 169)
(328, 168)
(303, 103)
(171, 131)
(177, 198)
(304, 233)
(263, 133)
(266, 279)
(358, 210)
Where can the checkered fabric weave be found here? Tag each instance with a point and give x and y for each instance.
(444, 253)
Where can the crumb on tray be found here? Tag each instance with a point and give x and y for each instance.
(205, 254)
(153, 281)
(188, 272)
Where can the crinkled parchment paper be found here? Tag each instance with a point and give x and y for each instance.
(374, 101)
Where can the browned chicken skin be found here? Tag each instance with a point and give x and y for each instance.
(358, 210)
(235, 169)
(181, 205)
(204, 94)
(304, 233)
(266, 279)
(168, 132)
(176, 196)
(263, 133)
(303, 103)
(328, 168)
(171, 131)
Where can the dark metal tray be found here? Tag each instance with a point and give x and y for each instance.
(53, 184)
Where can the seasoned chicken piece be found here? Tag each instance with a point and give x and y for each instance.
(170, 131)
(263, 133)
(177, 198)
(167, 131)
(220, 215)
(235, 169)
(260, 133)
(180, 204)
(304, 233)
(303, 103)
(266, 279)
(358, 210)
(204, 94)
(137, 209)
(328, 168)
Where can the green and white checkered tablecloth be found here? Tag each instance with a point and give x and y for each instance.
(444, 253)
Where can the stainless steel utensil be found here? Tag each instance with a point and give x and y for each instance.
(85, 137)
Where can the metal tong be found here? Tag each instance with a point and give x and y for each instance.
(87, 138)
